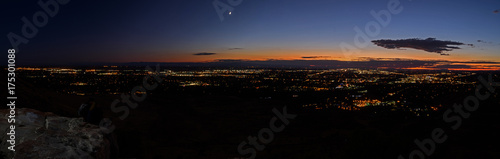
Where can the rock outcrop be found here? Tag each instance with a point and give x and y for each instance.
(46, 135)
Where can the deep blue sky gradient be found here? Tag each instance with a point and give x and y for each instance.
(128, 31)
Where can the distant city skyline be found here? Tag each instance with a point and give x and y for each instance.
(187, 31)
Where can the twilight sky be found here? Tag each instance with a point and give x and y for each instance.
(191, 30)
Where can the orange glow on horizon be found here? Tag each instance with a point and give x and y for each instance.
(298, 54)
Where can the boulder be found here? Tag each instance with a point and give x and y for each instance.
(46, 135)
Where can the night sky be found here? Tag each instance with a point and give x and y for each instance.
(191, 31)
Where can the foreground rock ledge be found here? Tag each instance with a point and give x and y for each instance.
(46, 135)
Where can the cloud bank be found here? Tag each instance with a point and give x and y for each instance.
(204, 53)
(315, 57)
(429, 45)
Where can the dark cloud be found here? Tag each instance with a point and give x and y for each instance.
(383, 59)
(496, 11)
(481, 62)
(486, 42)
(230, 60)
(453, 66)
(430, 44)
(315, 57)
(204, 53)
(482, 41)
(236, 48)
